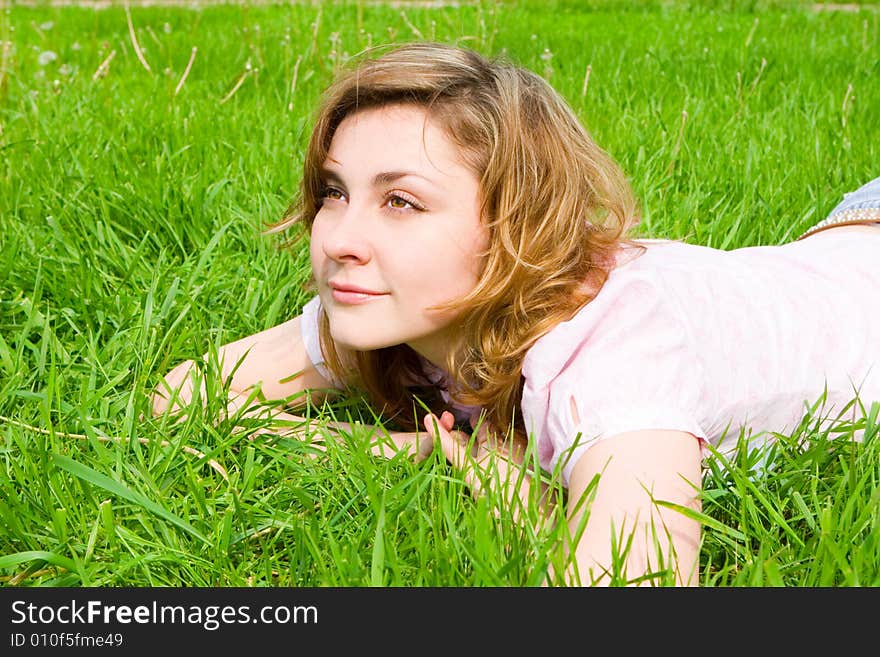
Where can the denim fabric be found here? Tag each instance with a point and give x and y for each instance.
(859, 207)
(866, 196)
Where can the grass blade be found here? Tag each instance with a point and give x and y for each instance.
(116, 488)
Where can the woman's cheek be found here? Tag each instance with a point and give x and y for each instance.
(316, 251)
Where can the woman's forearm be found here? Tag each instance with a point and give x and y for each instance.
(511, 486)
(279, 422)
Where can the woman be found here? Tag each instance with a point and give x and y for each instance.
(469, 239)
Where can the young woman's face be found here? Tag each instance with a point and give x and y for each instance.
(398, 231)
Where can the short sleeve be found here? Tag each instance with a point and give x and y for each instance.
(308, 327)
(634, 369)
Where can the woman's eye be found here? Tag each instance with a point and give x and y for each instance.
(401, 202)
(332, 193)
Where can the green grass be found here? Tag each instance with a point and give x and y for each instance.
(130, 239)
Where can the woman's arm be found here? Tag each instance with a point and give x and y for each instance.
(500, 467)
(275, 360)
(635, 470)
(632, 473)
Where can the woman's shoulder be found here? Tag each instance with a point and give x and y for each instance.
(631, 307)
(656, 286)
(658, 293)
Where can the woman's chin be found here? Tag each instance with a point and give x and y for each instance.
(361, 343)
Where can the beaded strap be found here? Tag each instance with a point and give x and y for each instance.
(852, 217)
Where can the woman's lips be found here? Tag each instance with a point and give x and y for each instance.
(342, 295)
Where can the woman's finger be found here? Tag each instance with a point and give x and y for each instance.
(447, 419)
(418, 445)
(453, 443)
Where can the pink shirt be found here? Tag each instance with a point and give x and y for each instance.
(707, 341)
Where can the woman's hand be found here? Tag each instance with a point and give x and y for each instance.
(418, 445)
(487, 464)
(477, 457)
(175, 393)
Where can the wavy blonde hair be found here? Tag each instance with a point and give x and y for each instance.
(556, 207)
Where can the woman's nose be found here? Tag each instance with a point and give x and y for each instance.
(347, 239)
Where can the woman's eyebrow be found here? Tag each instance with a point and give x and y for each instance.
(330, 176)
(387, 177)
(380, 179)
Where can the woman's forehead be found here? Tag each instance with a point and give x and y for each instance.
(393, 139)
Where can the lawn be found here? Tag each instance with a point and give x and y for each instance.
(143, 152)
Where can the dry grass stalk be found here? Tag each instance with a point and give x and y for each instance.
(4, 56)
(293, 82)
(134, 41)
(192, 57)
(114, 439)
(677, 148)
(248, 71)
(586, 80)
(102, 69)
